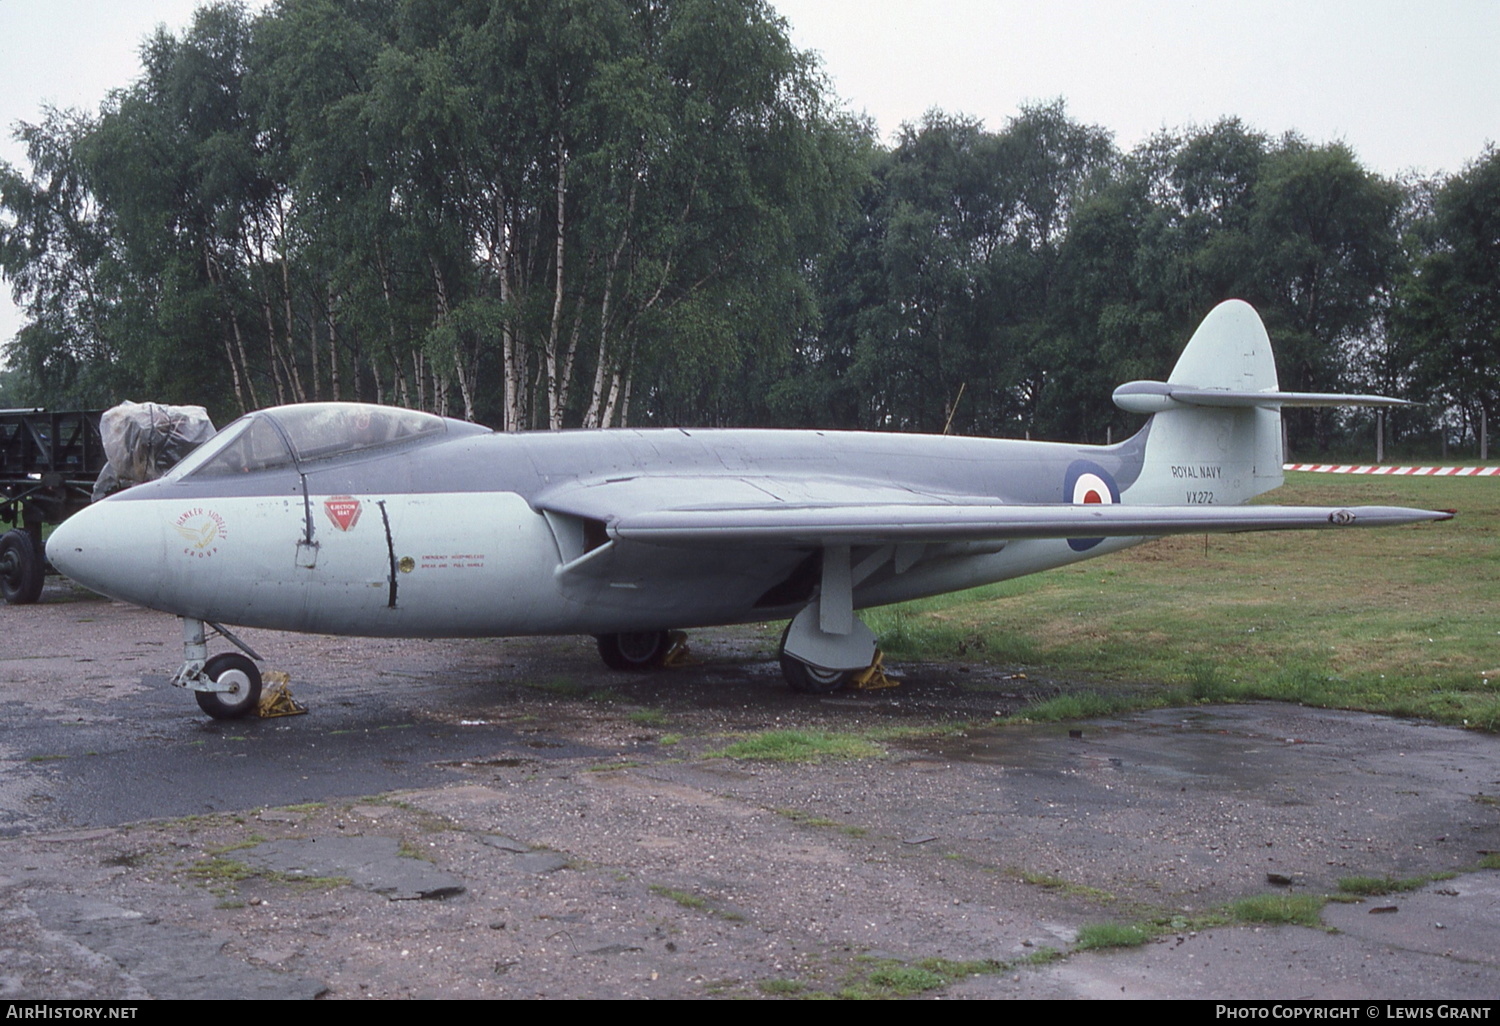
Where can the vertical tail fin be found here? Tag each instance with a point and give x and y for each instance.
(1215, 432)
(1200, 454)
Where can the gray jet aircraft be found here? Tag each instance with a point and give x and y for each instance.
(344, 518)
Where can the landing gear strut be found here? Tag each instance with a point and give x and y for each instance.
(826, 646)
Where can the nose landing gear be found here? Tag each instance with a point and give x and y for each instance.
(227, 686)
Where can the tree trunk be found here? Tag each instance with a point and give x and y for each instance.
(554, 386)
(333, 345)
(239, 370)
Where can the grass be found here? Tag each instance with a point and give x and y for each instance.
(870, 978)
(907, 980)
(781, 987)
(694, 902)
(407, 850)
(800, 746)
(1048, 882)
(1096, 936)
(611, 767)
(221, 876)
(1079, 705)
(1401, 620)
(888, 978)
(1278, 910)
(809, 819)
(686, 899)
(1371, 886)
(1255, 910)
(248, 842)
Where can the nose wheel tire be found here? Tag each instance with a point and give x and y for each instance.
(236, 670)
(21, 568)
(636, 652)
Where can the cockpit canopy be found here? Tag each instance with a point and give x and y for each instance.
(294, 435)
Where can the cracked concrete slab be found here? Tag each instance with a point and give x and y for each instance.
(149, 958)
(374, 863)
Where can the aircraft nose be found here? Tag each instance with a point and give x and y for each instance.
(80, 548)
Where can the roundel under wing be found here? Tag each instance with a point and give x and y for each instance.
(1086, 484)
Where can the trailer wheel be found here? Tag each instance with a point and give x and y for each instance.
(21, 568)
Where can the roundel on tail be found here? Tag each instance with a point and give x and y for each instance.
(1088, 484)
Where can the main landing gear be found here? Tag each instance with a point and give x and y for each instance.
(825, 647)
(645, 651)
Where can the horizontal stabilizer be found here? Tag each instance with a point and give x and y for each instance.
(1160, 396)
(884, 523)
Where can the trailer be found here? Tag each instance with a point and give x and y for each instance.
(49, 463)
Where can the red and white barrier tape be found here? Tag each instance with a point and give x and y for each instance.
(1348, 468)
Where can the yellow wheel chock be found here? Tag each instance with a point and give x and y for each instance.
(278, 700)
(678, 655)
(873, 677)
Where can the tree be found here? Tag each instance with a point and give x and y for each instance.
(537, 212)
(1447, 321)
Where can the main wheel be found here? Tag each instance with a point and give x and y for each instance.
(637, 652)
(21, 568)
(233, 669)
(812, 680)
(807, 679)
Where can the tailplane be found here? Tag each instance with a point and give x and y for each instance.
(1214, 437)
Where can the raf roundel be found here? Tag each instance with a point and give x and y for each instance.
(1091, 489)
(1088, 484)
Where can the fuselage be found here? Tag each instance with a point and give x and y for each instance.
(465, 532)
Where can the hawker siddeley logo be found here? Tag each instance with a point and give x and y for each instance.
(202, 530)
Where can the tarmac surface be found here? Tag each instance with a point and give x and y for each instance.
(510, 819)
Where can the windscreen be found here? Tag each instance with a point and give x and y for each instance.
(248, 445)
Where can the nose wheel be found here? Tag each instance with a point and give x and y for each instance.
(241, 677)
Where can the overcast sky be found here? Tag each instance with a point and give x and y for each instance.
(1407, 85)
